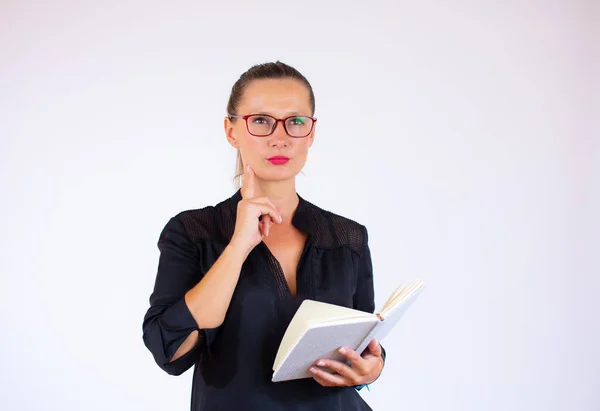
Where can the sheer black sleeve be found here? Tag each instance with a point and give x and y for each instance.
(168, 321)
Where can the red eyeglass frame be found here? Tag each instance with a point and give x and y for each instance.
(277, 120)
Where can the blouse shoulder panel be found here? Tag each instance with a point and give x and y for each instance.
(334, 230)
(214, 223)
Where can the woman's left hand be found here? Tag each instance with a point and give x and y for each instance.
(363, 369)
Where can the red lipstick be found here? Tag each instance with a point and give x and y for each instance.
(278, 160)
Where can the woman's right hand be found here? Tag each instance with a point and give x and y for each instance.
(249, 226)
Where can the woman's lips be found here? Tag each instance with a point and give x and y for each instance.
(278, 160)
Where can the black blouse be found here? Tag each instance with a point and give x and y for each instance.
(233, 363)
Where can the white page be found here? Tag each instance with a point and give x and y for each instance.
(408, 292)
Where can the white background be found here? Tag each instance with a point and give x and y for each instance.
(459, 133)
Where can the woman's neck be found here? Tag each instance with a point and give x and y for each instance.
(282, 194)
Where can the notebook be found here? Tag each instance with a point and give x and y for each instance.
(318, 329)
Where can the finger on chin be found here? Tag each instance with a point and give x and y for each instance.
(248, 183)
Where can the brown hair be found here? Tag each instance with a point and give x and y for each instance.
(276, 70)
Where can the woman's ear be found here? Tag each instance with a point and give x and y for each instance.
(229, 132)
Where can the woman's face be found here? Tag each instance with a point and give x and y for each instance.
(279, 98)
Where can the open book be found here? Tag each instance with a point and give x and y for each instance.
(318, 329)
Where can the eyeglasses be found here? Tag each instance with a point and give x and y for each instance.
(263, 125)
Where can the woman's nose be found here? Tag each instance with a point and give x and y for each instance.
(279, 136)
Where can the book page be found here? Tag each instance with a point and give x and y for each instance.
(320, 312)
(402, 294)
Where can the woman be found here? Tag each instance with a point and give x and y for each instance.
(231, 276)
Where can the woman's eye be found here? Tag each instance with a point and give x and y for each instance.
(259, 120)
(297, 121)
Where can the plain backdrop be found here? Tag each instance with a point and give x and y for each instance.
(463, 134)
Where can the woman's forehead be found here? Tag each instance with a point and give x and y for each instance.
(277, 96)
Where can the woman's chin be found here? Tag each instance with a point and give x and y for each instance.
(278, 175)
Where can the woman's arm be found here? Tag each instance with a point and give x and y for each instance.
(209, 299)
(187, 305)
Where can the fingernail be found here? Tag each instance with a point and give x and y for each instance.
(314, 371)
(321, 363)
(342, 350)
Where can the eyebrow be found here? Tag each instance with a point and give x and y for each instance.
(291, 113)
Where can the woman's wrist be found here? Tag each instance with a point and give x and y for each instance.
(237, 250)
